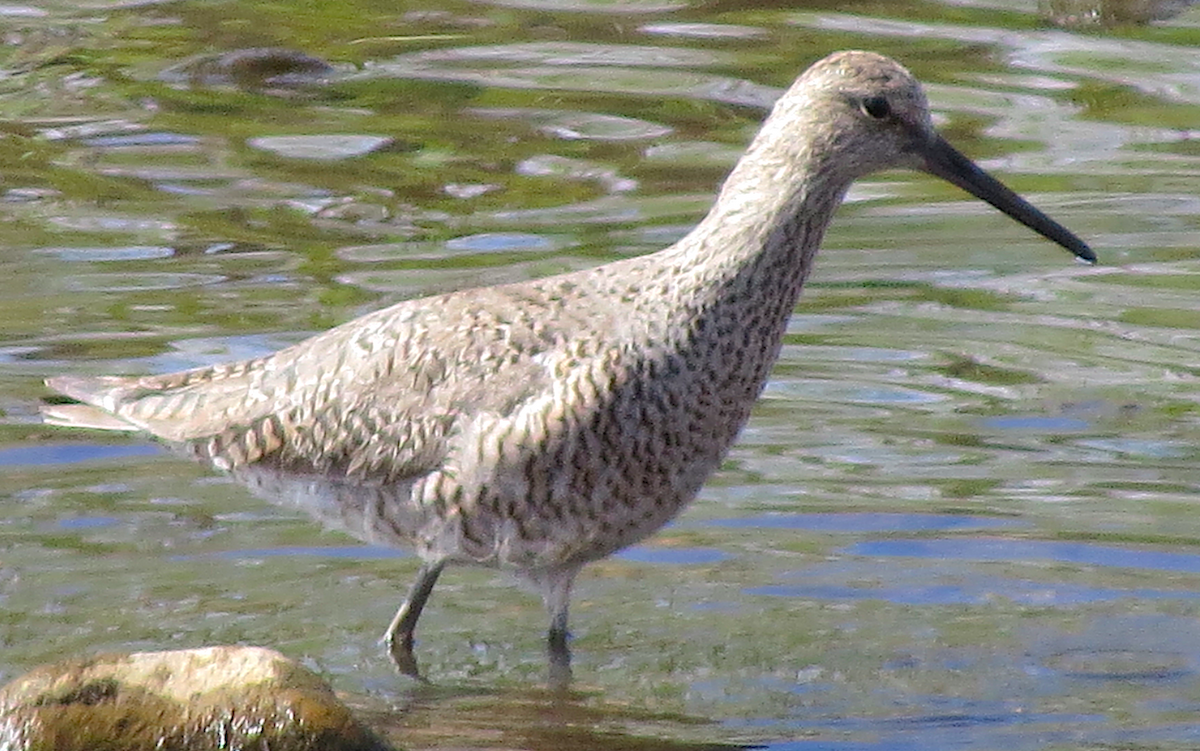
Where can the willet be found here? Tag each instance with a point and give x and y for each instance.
(543, 425)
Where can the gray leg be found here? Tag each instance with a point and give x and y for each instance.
(558, 651)
(399, 635)
(556, 593)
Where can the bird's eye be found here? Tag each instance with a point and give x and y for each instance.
(876, 107)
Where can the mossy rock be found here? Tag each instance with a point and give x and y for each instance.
(187, 700)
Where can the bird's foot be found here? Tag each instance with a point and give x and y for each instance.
(559, 675)
(400, 649)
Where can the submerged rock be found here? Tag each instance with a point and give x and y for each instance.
(186, 700)
(252, 68)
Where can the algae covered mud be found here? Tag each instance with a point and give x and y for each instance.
(960, 518)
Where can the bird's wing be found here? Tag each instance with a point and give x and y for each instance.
(376, 397)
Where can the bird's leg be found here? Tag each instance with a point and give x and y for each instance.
(558, 651)
(399, 635)
(557, 595)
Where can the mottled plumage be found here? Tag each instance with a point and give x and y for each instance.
(546, 424)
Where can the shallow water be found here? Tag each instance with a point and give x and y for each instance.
(962, 517)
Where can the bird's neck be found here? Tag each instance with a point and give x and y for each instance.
(756, 246)
(729, 288)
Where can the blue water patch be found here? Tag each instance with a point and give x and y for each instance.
(891, 744)
(926, 722)
(975, 727)
(142, 140)
(88, 522)
(673, 556)
(1019, 731)
(117, 253)
(1036, 423)
(1030, 550)
(71, 453)
(985, 590)
(866, 522)
(495, 242)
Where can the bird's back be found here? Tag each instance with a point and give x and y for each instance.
(400, 376)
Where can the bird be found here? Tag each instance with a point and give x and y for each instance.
(542, 425)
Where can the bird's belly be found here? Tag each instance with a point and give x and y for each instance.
(565, 481)
(554, 516)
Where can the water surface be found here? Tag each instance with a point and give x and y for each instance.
(962, 517)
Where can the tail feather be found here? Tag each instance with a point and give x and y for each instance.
(96, 390)
(176, 407)
(83, 416)
(101, 397)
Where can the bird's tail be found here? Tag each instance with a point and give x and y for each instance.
(83, 416)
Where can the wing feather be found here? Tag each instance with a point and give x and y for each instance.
(377, 397)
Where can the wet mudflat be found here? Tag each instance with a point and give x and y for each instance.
(962, 516)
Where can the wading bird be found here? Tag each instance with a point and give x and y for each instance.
(543, 425)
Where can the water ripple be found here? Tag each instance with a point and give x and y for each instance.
(995, 549)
